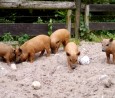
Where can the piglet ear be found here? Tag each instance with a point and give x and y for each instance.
(111, 40)
(20, 50)
(67, 54)
(57, 42)
(14, 51)
(78, 53)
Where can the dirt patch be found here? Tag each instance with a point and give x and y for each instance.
(86, 81)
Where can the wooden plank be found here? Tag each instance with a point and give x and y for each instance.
(37, 5)
(102, 25)
(12, 0)
(62, 25)
(28, 28)
(102, 7)
(87, 17)
(58, 26)
(68, 23)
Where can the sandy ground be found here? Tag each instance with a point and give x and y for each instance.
(96, 80)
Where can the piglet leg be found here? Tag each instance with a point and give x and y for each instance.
(108, 58)
(114, 58)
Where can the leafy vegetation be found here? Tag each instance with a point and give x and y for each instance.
(50, 27)
(83, 29)
(7, 37)
(39, 20)
(60, 16)
(77, 41)
(23, 38)
(3, 20)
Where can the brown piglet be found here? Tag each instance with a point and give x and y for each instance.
(37, 44)
(60, 36)
(72, 54)
(108, 46)
(7, 52)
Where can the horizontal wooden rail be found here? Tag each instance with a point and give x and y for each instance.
(28, 28)
(102, 7)
(99, 25)
(102, 25)
(37, 5)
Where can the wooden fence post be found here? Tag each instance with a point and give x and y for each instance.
(77, 17)
(68, 22)
(87, 17)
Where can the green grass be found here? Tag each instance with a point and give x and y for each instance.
(77, 41)
(95, 37)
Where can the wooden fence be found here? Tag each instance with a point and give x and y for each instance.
(99, 8)
(28, 28)
(34, 29)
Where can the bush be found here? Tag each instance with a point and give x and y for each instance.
(23, 38)
(7, 37)
(83, 28)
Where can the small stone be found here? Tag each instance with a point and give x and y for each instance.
(84, 60)
(103, 77)
(2, 68)
(36, 85)
(35, 96)
(107, 83)
(13, 66)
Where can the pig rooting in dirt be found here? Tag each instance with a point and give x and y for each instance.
(72, 54)
(108, 46)
(60, 36)
(7, 52)
(27, 51)
(19, 56)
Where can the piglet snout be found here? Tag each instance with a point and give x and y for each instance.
(73, 67)
(103, 50)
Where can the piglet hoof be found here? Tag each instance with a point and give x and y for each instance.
(8, 64)
(31, 61)
(113, 62)
(40, 55)
(108, 62)
(47, 55)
